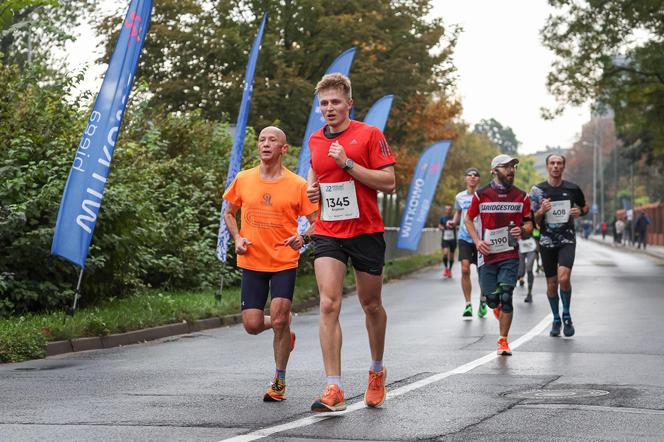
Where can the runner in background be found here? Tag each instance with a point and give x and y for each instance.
(448, 240)
(504, 211)
(556, 203)
(467, 248)
(527, 255)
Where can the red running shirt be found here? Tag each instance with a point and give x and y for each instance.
(366, 146)
(496, 209)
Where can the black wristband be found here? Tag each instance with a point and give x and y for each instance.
(306, 239)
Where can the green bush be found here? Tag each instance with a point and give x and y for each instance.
(158, 223)
(19, 342)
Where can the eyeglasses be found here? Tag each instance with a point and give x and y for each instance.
(473, 174)
(507, 166)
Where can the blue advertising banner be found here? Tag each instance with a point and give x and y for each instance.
(379, 111)
(235, 163)
(84, 189)
(421, 192)
(342, 65)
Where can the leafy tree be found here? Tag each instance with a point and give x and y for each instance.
(30, 30)
(502, 136)
(612, 53)
(195, 57)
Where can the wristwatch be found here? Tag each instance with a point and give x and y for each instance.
(348, 164)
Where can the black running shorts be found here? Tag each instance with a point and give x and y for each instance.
(448, 244)
(552, 257)
(366, 252)
(256, 286)
(468, 251)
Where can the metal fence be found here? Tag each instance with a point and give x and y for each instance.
(429, 243)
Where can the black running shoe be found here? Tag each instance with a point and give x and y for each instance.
(555, 328)
(568, 328)
(529, 298)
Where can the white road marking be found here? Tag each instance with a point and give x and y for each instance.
(265, 432)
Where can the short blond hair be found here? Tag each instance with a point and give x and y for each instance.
(335, 81)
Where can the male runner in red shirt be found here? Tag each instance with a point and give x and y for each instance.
(350, 161)
(504, 210)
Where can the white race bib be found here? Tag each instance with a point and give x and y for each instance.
(448, 235)
(339, 201)
(559, 213)
(497, 239)
(527, 245)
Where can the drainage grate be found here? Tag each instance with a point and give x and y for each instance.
(557, 394)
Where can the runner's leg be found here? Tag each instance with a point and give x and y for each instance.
(330, 274)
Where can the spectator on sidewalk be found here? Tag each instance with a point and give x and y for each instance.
(641, 230)
(605, 227)
(613, 228)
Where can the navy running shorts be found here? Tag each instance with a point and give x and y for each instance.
(256, 286)
(467, 251)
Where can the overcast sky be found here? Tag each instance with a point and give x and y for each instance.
(501, 65)
(502, 68)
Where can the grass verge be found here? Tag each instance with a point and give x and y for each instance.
(25, 337)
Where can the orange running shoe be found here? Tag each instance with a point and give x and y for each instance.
(331, 400)
(375, 394)
(503, 347)
(292, 341)
(276, 392)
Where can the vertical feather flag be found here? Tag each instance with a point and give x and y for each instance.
(421, 192)
(84, 190)
(238, 139)
(379, 111)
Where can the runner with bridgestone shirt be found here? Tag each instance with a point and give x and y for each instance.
(556, 203)
(504, 211)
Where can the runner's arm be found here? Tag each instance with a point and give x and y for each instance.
(382, 180)
(231, 224)
(457, 217)
(313, 188)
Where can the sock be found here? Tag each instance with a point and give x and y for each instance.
(445, 261)
(566, 298)
(336, 380)
(281, 375)
(451, 262)
(376, 365)
(553, 302)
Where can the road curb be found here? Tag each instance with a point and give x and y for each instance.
(163, 331)
(138, 336)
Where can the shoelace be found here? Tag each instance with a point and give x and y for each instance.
(278, 386)
(374, 382)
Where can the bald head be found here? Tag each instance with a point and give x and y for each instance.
(275, 131)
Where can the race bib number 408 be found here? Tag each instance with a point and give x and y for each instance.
(338, 201)
(559, 213)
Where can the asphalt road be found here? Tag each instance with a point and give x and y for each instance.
(445, 382)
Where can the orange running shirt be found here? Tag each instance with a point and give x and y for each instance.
(269, 210)
(365, 145)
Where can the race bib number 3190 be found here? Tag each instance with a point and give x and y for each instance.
(339, 201)
(497, 239)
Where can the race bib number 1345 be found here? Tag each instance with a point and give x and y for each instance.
(338, 201)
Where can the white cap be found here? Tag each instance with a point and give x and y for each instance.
(502, 160)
